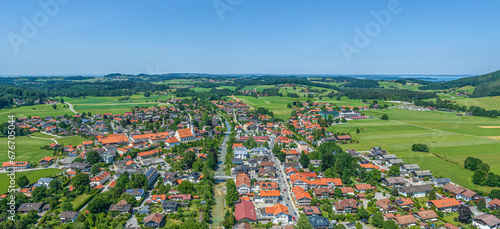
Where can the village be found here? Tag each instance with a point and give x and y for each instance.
(155, 168)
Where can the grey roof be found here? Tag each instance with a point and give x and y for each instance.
(319, 221)
(68, 160)
(68, 214)
(417, 188)
(410, 166)
(395, 180)
(490, 220)
(441, 180)
(422, 173)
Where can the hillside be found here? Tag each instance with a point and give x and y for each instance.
(486, 85)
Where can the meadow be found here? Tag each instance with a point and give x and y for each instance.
(36, 110)
(454, 138)
(27, 149)
(99, 105)
(278, 105)
(32, 175)
(488, 103)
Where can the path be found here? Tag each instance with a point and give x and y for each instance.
(71, 108)
(53, 139)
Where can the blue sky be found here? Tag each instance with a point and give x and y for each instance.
(244, 36)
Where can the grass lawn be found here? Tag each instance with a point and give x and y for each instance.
(79, 199)
(33, 176)
(453, 137)
(450, 218)
(62, 140)
(36, 110)
(27, 149)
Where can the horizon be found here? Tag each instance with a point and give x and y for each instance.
(396, 37)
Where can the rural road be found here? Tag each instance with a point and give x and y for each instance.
(71, 108)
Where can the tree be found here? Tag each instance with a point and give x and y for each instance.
(229, 220)
(54, 106)
(359, 225)
(93, 157)
(186, 187)
(232, 194)
(96, 168)
(390, 224)
(81, 182)
(420, 148)
(303, 222)
(67, 206)
(55, 184)
(189, 158)
(385, 117)
(495, 194)
(394, 192)
(481, 205)
(22, 181)
(472, 163)
(479, 177)
(464, 214)
(337, 192)
(363, 213)
(394, 171)
(432, 195)
(377, 220)
(38, 193)
(304, 160)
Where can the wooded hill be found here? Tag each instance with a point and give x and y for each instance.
(486, 85)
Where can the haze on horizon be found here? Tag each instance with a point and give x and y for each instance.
(64, 37)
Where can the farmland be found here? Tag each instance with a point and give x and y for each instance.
(453, 137)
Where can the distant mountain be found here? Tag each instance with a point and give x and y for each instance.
(486, 85)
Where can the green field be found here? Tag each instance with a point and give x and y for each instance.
(488, 103)
(33, 176)
(453, 137)
(27, 149)
(62, 140)
(99, 105)
(278, 105)
(36, 110)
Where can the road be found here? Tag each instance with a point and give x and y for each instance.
(71, 108)
(285, 195)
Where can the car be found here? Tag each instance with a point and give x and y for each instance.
(288, 198)
(295, 213)
(293, 217)
(284, 190)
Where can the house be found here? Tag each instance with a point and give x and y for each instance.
(181, 197)
(15, 165)
(82, 166)
(440, 182)
(46, 161)
(243, 184)
(137, 193)
(406, 220)
(241, 153)
(169, 206)
(426, 216)
(151, 175)
(153, 220)
(172, 141)
(279, 212)
(385, 206)
(393, 181)
(38, 207)
(422, 173)
(468, 195)
(415, 190)
(45, 181)
(185, 135)
(347, 191)
(319, 222)
(303, 198)
(345, 206)
(404, 202)
(311, 210)
(486, 221)
(445, 205)
(122, 207)
(408, 168)
(363, 187)
(100, 178)
(494, 204)
(453, 189)
(245, 212)
(324, 192)
(68, 216)
(270, 196)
